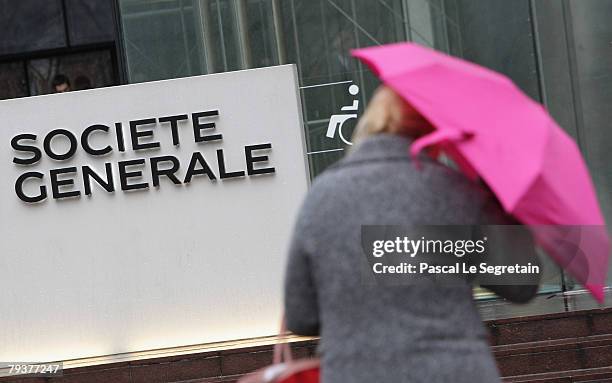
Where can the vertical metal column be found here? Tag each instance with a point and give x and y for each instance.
(279, 36)
(406, 19)
(575, 84)
(444, 26)
(538, 51)
(185, 42)
(362, 92)
(327, 49)
(120, 48)
(243, 33)
(222, 35)
(458, 25)
(203, 26)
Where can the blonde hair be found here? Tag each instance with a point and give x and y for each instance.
(387, 112)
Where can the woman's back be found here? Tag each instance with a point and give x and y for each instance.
(423, 331)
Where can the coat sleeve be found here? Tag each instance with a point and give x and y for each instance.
(514, 246)
(301, 304)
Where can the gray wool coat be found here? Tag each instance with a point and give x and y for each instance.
(369, 333)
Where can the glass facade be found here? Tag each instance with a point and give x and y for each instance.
(575, 59)
(558, 52)
(167, 39)
(44, 29)
(88, 70)
(44, 38)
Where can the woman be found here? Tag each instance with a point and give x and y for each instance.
(421, 332)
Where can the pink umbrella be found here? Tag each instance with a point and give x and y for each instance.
(491, 129)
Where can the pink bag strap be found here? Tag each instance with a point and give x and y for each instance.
(282, 350)
(436, 137)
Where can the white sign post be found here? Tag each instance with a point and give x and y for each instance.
(147, 216)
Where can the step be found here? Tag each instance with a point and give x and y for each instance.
(554, 355)
(220, 379)
(550, 326)
(590, 375)
(578, 342)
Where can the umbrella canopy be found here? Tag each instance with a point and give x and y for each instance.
(492, 130)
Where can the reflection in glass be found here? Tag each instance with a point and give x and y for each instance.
(193, 37)
(160, 39)
(557, 52)
(84, 70)
(44, 29)
(13, 80)
(89, 21)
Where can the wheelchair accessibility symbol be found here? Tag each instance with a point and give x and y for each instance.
(336, 122)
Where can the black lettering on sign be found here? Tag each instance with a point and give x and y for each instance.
(138, 134)
(124, 175)
(198, 126)
(36, 153)
(156, 172)
(173, 120)
(57, 183)
(251, 159)
(223, 173)
(107, 183)
(85, 141)
(57, 132)
(19, 187)
(198, 159)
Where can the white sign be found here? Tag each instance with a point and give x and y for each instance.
(147, 216)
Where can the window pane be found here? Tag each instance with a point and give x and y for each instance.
(174, 38)
(160, 39)
(498, 35)
(84, 70)
(317, 35)
(262, 38)
(593, 54)
(223, 30)
(90, 21)
(12, 80)
(576, 60)
(30, 25)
